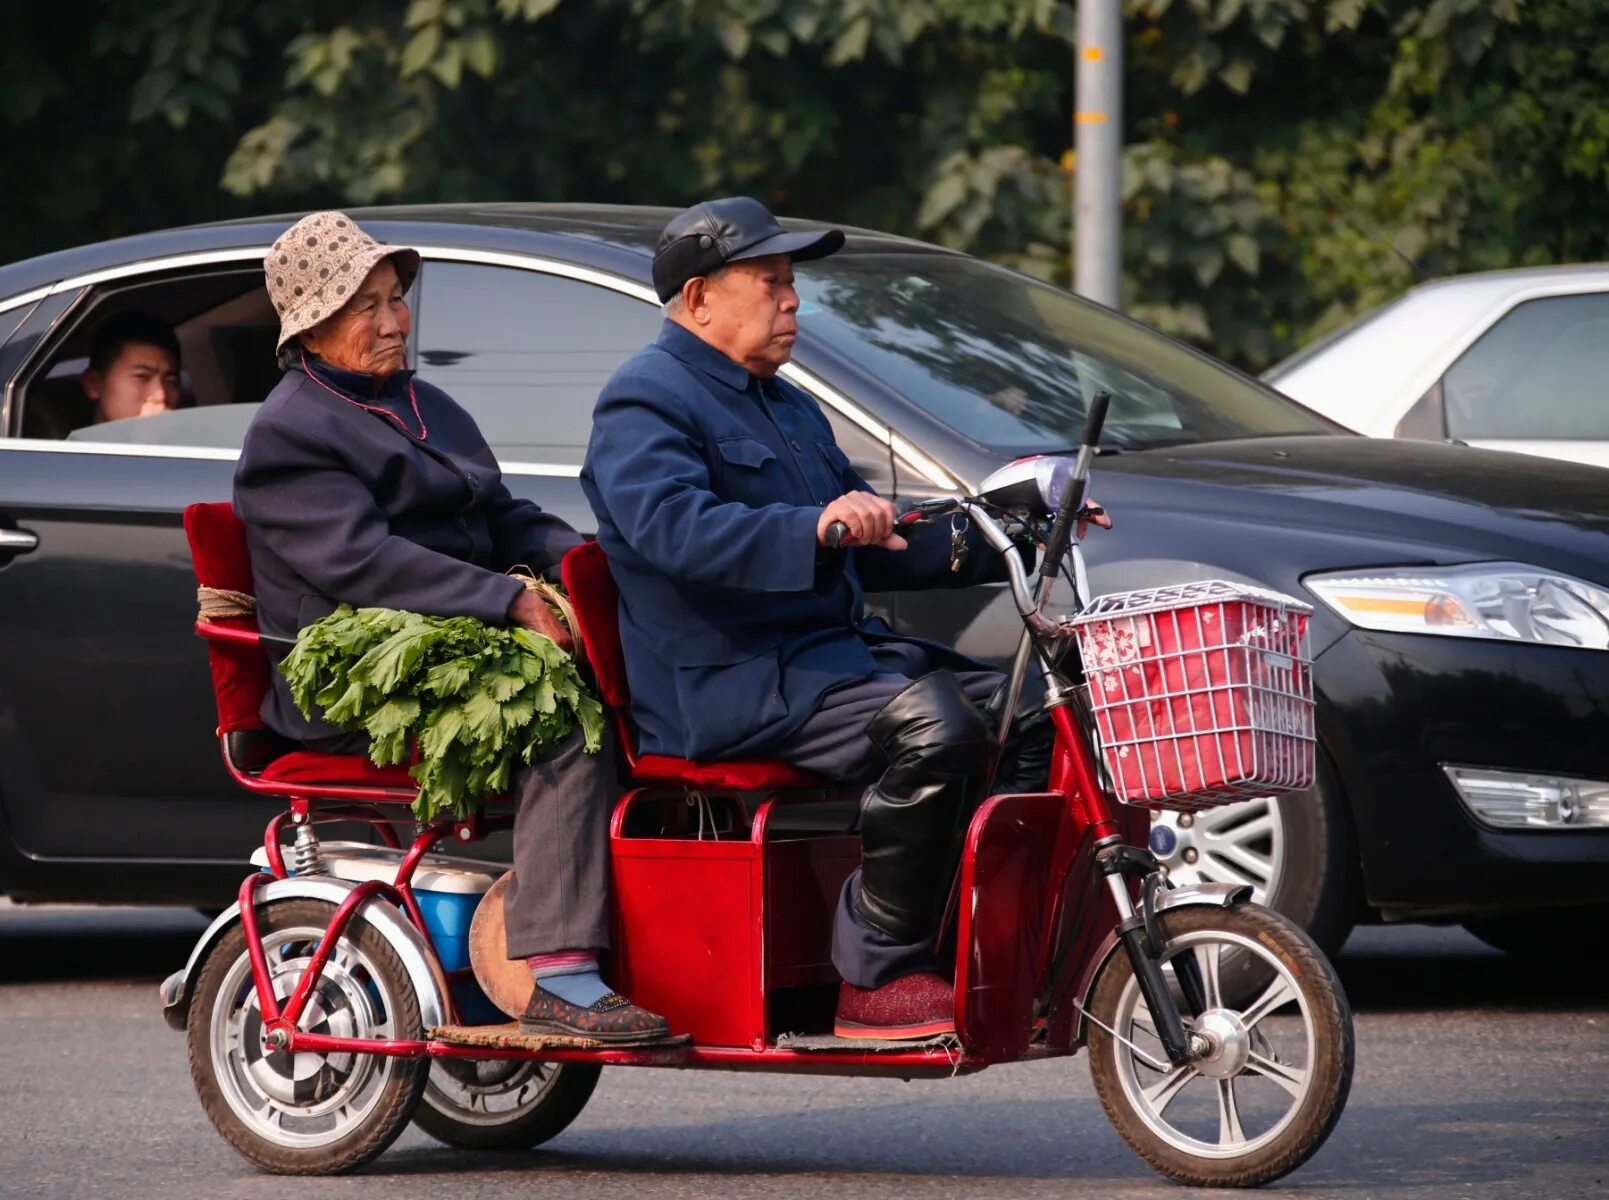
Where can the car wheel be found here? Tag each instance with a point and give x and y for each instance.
(1295, 851)
(1542, 935)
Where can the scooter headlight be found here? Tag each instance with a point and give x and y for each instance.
(1502, 601)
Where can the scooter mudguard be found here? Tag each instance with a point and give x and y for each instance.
(424, 971)
(1214, 895)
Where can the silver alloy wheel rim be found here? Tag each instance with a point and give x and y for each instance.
(501, 1091)
(1151, 1095)
(1232, 843)
(340, 1090)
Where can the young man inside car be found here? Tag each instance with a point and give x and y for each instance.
(133, 368)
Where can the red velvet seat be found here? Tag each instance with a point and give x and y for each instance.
(308, 766)
(241, 676)
(597, 612)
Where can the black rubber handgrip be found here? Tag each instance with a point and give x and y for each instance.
(1096, 417)
(1072, 497)
(836, 533)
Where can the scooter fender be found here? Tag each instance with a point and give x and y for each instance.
(424, 971)
(1213, 895)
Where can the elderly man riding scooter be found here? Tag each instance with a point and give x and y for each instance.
(717, 487)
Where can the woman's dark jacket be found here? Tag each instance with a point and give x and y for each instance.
(342, 506)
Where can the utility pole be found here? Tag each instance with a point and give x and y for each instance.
(1098, 143)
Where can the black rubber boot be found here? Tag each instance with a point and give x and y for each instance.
(1025, 758)
(939, 752)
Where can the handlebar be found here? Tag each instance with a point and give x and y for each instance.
(1072, 497)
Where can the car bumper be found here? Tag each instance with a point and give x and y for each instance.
(1394, 708)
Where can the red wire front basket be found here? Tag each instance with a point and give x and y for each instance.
(1202, 693)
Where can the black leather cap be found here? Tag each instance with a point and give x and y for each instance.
(707, 236)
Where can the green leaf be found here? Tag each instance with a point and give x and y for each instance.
(420, 50)
(1243, 252)
(422, 12)
(735, 36)
(851, 43)
(480, 52)
(942, 199)
(1237, 76)
(449, 64)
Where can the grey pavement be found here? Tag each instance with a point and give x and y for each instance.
(1476, 1077)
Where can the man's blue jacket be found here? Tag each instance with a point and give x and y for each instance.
(708, 485)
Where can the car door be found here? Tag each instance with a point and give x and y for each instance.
(1533, 382)
(526, 349)
(110, 780)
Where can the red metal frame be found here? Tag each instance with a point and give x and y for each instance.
(1031, 916)
(1027, 863)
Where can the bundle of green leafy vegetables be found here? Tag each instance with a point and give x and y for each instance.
(475, 699)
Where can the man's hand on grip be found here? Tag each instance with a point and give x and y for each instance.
(869, 518)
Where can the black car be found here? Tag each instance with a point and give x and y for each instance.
(1461, 596)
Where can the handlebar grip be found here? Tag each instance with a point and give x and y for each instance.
(836, 533)
(1096, 417)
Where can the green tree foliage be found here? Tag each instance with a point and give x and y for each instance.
(1289, 163)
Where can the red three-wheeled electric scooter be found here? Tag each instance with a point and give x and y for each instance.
(356, 986)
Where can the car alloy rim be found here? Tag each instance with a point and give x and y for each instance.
(488, 1092)
(1233, 843)
(1257, 1073)
(302, 1100)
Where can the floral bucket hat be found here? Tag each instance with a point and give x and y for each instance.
(316, 265)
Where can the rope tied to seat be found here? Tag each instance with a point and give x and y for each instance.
(216, 604)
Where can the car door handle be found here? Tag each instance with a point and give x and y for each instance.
(17, 541)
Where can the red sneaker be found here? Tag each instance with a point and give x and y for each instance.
(914, 1006)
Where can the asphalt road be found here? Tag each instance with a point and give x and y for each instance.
(1475, 1078)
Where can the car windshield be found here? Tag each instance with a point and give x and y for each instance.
(1009, 362)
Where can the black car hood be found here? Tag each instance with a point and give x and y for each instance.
(1410, 501)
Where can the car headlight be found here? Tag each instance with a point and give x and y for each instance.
(1506, 601)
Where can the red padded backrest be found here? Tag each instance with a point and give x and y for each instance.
(585, 571)
(240, 674)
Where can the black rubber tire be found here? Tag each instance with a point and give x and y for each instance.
(561, 1103)
(1541, 936)
(400, 1093)
(1331, 1066)
(1319, 880)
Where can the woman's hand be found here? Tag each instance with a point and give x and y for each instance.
(531, 612)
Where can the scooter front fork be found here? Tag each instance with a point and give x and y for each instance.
(1142, 942)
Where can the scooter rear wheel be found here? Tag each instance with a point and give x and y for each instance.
(1271, 1088)
(305, 1114)
(502, 1104)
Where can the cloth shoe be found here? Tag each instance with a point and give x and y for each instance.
(912, 1006)
(613, 1020)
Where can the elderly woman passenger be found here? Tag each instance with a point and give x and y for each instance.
(360, 483)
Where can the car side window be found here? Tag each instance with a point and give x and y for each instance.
(224, 326)
(526, 352)
(1535, 375)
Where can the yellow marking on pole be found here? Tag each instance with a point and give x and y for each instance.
(1093, 53)
(1089, 118)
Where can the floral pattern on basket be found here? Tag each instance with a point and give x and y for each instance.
(1202, 693)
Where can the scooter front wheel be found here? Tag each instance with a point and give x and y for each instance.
(1270, 1075)
(305, 1113)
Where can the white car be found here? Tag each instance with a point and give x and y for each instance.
(1507, 360)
